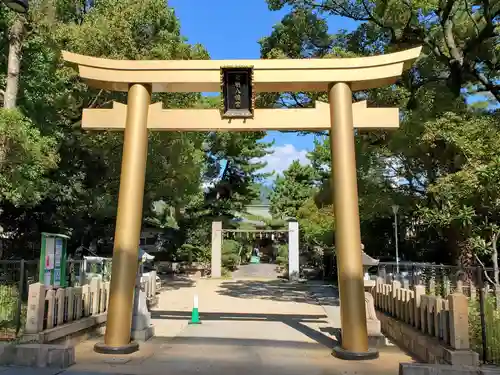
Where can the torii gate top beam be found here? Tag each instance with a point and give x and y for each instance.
(269, 75)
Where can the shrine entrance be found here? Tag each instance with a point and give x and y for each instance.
(258, 239)
(239, 81)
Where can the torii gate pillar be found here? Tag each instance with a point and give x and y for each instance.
(347, 229)
(128, 224)
(293, 250)
(216, 260)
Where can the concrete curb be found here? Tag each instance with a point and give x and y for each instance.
(37, 355)
(435, 369)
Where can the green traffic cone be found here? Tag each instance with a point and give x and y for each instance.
(195, 315)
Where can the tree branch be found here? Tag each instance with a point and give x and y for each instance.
(488, 30)
(491, 87)
(484, 269)
(472, 18)
(294, 97)
(94, 101)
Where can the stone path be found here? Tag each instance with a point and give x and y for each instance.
(248, 327)
(256, 271)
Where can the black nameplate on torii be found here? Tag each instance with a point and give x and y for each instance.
(237, 92)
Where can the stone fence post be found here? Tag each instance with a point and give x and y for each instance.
(459, 321)
(36, 308)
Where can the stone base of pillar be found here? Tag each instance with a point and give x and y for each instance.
(293, 276)
(130, 348)
(143, 334)
(341, 353)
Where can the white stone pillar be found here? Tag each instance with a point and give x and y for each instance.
(293, 250)
(216, 249)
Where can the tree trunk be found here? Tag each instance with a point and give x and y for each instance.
(494, 258)
(15, 43)
(12, 84)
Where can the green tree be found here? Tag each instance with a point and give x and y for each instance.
(467, 200)
(231, 177)
(26, 157)
(80, 195)
(408, 166)
(292, 189)
(459, 37)
(317, 224)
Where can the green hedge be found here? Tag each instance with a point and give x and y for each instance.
(282, 258)
(9, 297)
(492, 319)
(231, 254)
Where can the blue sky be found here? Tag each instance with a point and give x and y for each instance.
(230, 29)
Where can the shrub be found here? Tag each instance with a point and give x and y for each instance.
(189, 253)
(282, 258)
(231, 253)
(492, 320)
(8, 303)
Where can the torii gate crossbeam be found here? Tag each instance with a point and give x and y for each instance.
(338, 77)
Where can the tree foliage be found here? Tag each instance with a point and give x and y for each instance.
(57, 178)
(26, 157)
(290, 190)
(440, 166)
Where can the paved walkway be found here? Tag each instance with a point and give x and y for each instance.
(259, 271)
(248, 327)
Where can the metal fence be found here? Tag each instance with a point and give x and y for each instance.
(475, 282)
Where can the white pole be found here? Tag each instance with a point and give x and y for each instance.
(195, 301)
(397, 244)
(395, 209)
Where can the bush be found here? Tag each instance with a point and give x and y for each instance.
(492, 320)
(189, 253)
(8, 303)
(225, 273)
(282, 257)
(231, 254)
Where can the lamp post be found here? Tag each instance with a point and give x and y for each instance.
(395, 209)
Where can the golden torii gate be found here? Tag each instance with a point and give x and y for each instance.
(239, 80)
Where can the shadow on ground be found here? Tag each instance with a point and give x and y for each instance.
(176, 282)
(296, 322)
(278, 290)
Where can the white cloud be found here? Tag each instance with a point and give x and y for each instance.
(281, 158)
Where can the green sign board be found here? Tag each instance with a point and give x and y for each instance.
(53, 260)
